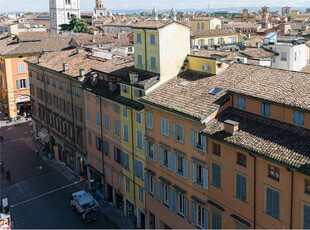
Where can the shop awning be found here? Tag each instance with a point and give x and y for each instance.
(44, 136)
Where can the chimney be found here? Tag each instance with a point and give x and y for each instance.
(93, 40)
(118, 36)
(65, 66)
(133, 77)
(39, 58)
(112, 84)
(195, 52)
(231, 126)
(79, 49)
(93, 78)
(82, 75)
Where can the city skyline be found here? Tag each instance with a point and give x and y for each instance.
(88, 5)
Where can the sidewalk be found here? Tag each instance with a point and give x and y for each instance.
(114, 215)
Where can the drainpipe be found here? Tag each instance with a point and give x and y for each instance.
(292, 197)
(102, 154)
(254, 192)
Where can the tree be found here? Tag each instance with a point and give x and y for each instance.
(76, 25)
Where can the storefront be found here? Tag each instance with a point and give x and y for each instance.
(96, 180)
(23, 105)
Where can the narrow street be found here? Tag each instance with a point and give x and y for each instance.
(38, 192)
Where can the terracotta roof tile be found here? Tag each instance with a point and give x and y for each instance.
(152, 24)
(285, 87)
(279, 141)
(258, 53)
(215, 32)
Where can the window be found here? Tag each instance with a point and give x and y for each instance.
(116, 108)
(182, 166)
(202, 26)
(125, 132)
(139, 40)
(139, 118)
(199, 216)
(153, 62)
(265, 109)
(198, 140)
(216, 175)
(141, 194)
(98, 119)
(199, 175)
(87, 96)
(138, 93)
(60, 84)
(307, 186)
(149, 120)
(62, 104)
(273, 172)
(105, 104)
(150, 149)
(117, 155)
(22, 83)
(164, 127)
(138, 169)
(306, 214)
(139, 139)
(88, 114)
(106, 122)
(273, 203)
(69, 108)
(124, 88)
(198, 26)
(78, 92)
(241, 102)
(150, 185)
(98, 143)
(166, 157)
(178, 132)
(216, 149)
(139, 59)
(125, 112)
(283, 56)
(241, 159)
(21, 67)
(105, 147)
(152, 39)
(298, 118)
(241, 187)
(55, 101)
(127, 184)
(54, 82)
(97, 100)
(166, 196)
(216, 220)
(117, 128)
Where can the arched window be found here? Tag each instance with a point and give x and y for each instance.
(198, 26)
(202, 26)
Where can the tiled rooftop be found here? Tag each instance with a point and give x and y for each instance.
(279, 141)
(152, 24)
(48, 43)
(290, 88)
(258, 53)
(216, 53)
(188, 95)
(86, 39)
(214, 32)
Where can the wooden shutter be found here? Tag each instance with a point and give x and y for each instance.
(192, 137)
(205, 175)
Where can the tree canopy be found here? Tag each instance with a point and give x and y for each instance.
(76, 25)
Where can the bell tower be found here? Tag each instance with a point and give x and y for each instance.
(61, 11)
(100, 10)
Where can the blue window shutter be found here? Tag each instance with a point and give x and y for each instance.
(306, 224)
(18, 84)
(146, 148)
(269, 201)
(155, 187)
(173, 162)
(301, 118)
(27, 83)
(184, 162)
(193, 172)
(161, 192)
(244, 187)
(182, 133)
(262, 109)
(173, 130)
(161, 156)
(204, 143)
(162, 126)
(216, 220)
(193, 213)
(205, 178)
(146, 183)
(238, 186)
(174, 200)
(135, 168)
(185, 206)
(154, 154)
(206, 219)
(276, 209)
(296, 117)
(192, 137)
(115, 153)
(170, 199)
(267, 109)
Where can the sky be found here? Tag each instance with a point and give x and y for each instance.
(118, 5)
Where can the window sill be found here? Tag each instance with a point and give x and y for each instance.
(275, 218)
(274, 178)
(218, 187)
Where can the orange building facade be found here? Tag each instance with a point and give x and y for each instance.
(244, 165)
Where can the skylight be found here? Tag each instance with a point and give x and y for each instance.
(215, 91)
